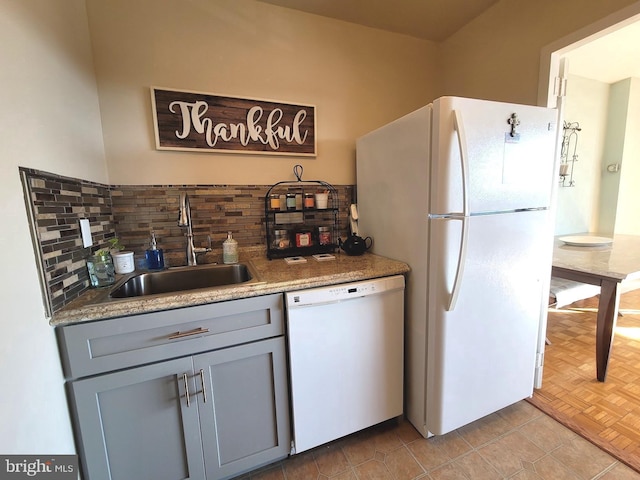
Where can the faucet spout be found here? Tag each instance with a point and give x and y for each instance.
(184, 214)
(184, 220)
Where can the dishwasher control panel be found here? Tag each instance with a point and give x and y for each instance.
(345, 291)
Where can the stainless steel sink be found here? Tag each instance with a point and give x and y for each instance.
(184, 278)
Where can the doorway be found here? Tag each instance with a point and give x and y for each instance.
(552, 55)
(552, 81)
(602, 85)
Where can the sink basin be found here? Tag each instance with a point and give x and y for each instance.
(184, 278)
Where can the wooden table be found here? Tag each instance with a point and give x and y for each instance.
(607, 266)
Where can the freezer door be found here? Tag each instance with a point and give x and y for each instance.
(481, 354)
(473, 147)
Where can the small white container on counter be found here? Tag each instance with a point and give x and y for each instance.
(123, 262)
(322, 199)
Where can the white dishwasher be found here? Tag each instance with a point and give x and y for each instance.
(346, 358)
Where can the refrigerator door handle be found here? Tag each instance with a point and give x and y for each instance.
(458, 126)
(462, 257)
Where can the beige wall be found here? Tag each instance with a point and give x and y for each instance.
(358, 78)
(497, 55)
(50, 121)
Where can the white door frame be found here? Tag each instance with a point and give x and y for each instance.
(551, 54)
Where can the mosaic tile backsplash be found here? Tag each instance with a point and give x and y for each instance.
(56, 205)
(215, 210)
(130, 212)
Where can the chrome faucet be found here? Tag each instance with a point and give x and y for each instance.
(184, 220)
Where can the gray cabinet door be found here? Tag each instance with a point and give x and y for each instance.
(136, 424)
(244, 413)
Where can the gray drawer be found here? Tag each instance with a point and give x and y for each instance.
(105, 345)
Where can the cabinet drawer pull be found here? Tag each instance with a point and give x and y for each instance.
(186, 388)
(195, 331)
(204, 389)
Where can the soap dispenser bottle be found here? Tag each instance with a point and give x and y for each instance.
(154, 255)
(230, 250)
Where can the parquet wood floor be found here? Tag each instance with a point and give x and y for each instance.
(607, 414)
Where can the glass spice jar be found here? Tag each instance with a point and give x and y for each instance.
(274, 201)
(291, 201)
(309, 200)
(324, 235)
(281, 239)
(304, 239)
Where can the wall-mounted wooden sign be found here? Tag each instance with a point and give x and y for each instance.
(206, 122)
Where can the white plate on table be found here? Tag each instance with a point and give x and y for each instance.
(586, 241)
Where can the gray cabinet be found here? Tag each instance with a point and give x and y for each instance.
(136, 424)
(245, 415)
(218, 412)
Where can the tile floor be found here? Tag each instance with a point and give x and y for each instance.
(519, 442)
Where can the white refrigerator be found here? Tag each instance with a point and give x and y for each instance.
(461, 190)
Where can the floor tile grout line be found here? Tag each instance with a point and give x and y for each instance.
(512, 429)
(425, 474)
(606, 470)
(453, 460)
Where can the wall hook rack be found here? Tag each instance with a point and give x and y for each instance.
(568, 155)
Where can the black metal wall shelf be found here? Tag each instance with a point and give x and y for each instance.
(301, 222)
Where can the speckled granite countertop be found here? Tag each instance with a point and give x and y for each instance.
(618, 261)
(276, 276)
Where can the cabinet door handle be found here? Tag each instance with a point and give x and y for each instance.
(195, 331)
(186, 388)
(204, 389)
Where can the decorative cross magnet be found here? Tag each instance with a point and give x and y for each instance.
(514, 121)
